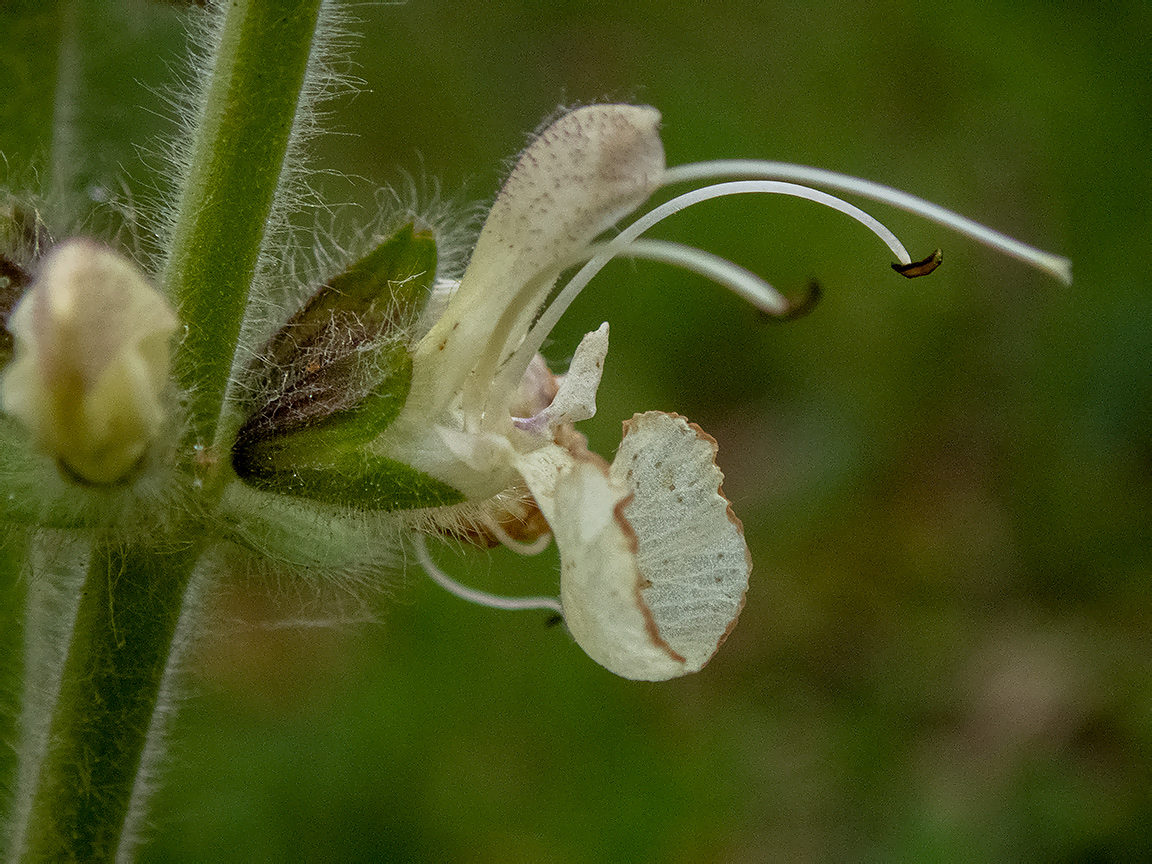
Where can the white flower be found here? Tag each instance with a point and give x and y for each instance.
(90, 362)
(653, 562)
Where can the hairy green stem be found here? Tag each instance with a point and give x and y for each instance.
(115, 665)
(79, 786)
(234, 170)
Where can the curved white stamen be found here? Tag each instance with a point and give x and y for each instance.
(743, 282)
(471, 594)
(518, 546)
(774, 187)
(620, 244)
(1056, 265)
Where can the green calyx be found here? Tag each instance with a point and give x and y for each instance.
(22, 236)
(13, 281)
(333, 378)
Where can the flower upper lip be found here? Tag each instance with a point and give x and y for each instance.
(577, 179)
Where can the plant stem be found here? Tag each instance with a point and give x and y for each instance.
(128, 612)
(80, 787)
(234, 169)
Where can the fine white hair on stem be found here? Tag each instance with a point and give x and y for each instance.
(1055, 265)
(471, 594)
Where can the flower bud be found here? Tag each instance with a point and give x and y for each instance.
(91, 358)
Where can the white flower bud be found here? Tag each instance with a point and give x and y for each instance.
(91, 359)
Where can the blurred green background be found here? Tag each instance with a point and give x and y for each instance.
(946, 484)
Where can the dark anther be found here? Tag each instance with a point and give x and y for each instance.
(920, 268)
(800, 308)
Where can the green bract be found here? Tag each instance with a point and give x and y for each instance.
(335, 376)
